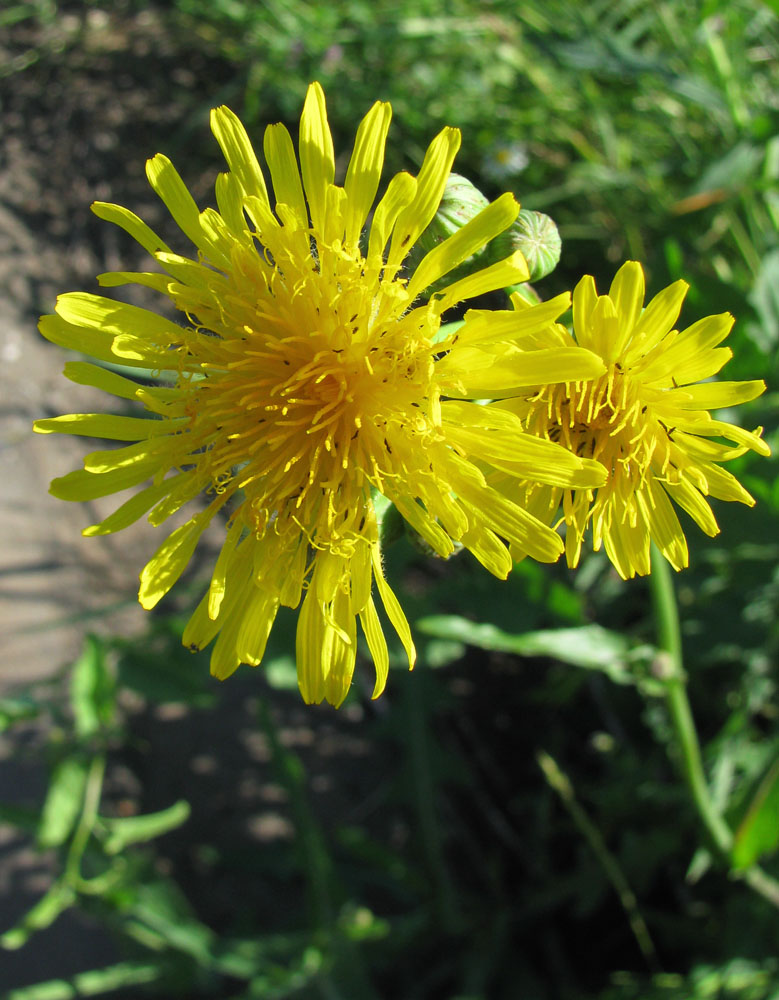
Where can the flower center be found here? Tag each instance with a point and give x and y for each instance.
(604, 419)
(302, 410)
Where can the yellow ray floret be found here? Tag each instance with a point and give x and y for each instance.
(305, 377)
(645, 418)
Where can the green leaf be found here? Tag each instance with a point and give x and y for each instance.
(166, 918)
(764, 297)
(758, 832)
(91, 689)
(42, 915)
(63, 802)
(134, 829)
(589, 646)
(16, 710)
(91, 983)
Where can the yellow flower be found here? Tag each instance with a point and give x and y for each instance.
(646, 419)
(309, 378)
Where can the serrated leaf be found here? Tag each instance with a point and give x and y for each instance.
(136, 829)
(63, 802)
(758, 833)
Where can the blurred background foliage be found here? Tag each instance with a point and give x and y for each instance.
(506, 823)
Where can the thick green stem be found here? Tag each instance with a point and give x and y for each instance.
(670, 642)
(669, 638)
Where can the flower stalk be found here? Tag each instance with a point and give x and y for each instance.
(669, 640)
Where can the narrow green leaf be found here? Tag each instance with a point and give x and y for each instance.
(91, 689)
(589, 646)
(42, 915)
(758, 833)
(134, 829)
(91, 983)
(63, 802)
(16, 710)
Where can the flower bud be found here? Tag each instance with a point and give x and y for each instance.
(460, 203)
(536, 236)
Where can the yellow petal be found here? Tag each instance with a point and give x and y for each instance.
(692, 352)
(132, 509)
(489, 550)
(239, 153)
(166, 182)
(431, 181)
(283, 164)
(487, 375)
(229, 199)
(690, 500)
(149, 279)
(719, 428)
(392, 607)
(400, 193)
(421, 521)
(377, 645)
(118, 458)
(716, 395)
(105, 425)
(505, 518)
(200, 629)
(170, 560)
(216, 589)
(489, 279)
(342, 651)
(317, 157)
(131, 224)
(309, 648)
(364, 171)
(656, 321)
(584, 299)
(528, 457)
(482, 326)
(110, 316)
(465, 242)
(604, 329)
(256, 624)
(627, 293)
(663, 524)
(84, 373)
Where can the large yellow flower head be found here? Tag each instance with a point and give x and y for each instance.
(308, 378)
(646, 419)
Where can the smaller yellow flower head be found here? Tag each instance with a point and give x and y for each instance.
(646, 419)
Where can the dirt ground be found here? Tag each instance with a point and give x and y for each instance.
(77, 126)
(84, 101)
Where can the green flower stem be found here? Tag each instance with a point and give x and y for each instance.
(669, 640)
(86, 824)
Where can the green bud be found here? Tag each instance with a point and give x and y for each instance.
(460, 203)
(536, 236)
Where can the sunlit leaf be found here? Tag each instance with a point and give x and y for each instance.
(758, 833)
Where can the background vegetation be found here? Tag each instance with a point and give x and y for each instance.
(508, 821)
